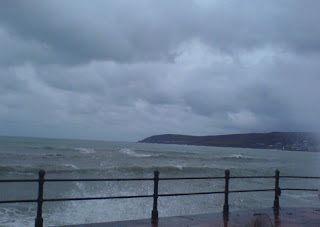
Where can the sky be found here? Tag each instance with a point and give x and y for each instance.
(126, 70)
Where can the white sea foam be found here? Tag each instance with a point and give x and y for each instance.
(80, 185)
(237, 156)
(20, 173)
(85, 150)
(70, 166)
(97, 211)
(302, 196)
(130, 152)
(178, 166)
(13, 217)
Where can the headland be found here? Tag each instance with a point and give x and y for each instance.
(291, 141)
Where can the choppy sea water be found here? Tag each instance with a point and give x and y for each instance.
(22, 158)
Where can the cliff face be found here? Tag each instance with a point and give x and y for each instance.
(298, 141)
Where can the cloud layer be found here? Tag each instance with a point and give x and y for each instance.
(105, 70)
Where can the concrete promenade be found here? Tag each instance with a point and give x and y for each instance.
(290, 217)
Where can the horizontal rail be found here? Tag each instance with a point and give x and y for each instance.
(190, 178)
(250, 177)
(106, 179)
(20, 201)
(18, 180)
(97, 198)
(253, 190)
(191, 193)
(160, 195)
(151, 179)
(300, 177)
(300, 189)
(137, 196)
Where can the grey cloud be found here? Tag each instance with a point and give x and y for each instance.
(150, 30)
(158, 98)
(104, 30)
(16, 50)
(105, 70)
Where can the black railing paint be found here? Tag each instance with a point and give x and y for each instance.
(226, 194)
(277, 193)
(156, 195)
(39, 219)
(154, 214)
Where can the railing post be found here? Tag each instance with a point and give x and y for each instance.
(39, 219)
(277, 193)
(154, 216)
(226, 194)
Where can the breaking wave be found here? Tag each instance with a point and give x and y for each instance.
(85, 150)
(13, 217)
(238, 157)
(130, 152)
(71, 166)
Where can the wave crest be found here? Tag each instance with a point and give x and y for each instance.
(130, 152)
(84, 150)
(236, 156)
(70, 166)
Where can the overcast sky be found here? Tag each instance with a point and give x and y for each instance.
(126, 70)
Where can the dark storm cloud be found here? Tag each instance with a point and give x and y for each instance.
(128, 31)
(125, 70)
(120, 31)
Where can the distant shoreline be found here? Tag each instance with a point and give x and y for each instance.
(289, 141)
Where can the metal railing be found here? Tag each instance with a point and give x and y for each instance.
(154, 214)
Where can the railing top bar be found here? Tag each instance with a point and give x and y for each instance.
(107, 179)
(18, 180)
(300, 189)
(191, 193)
(303, 177)
(243, 177)
(98, 198)
(189, 178)
(151, 179)
(253, 190)
(19, 201)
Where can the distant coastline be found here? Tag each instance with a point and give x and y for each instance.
(291, 141)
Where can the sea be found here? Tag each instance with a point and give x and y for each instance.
(22, 158)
